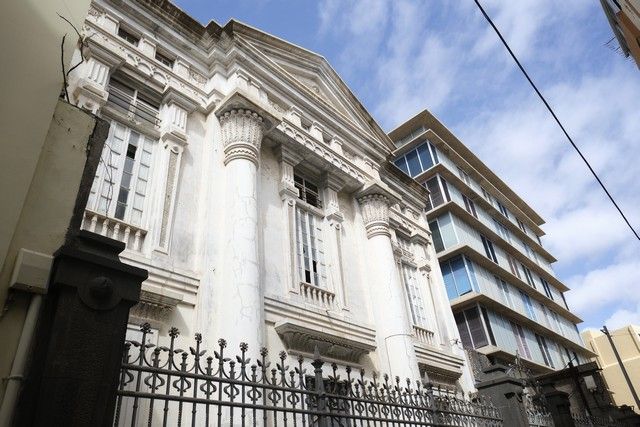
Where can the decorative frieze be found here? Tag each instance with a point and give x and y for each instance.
(375, 213)
(319, 148)
(242, 133)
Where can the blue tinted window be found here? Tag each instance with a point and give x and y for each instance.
(425, 157)
(458, 277)
(402, 164)
(462, 278)
(449, 281)
(434, 153)
(414, 163)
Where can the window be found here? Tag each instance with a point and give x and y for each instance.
(418, 160)
(502, 209)
(469, 206)
(124, 95)
(485, 317)
(545, 313)
(464, 176)
(438, 192)
(564, 301)
(539, 240)
(528, 276)
(502, 230)
(513, 265)
(531, 254)
(521, 225)
(547, 288)
(164, 59)
(438, 244)
(120, 186)
(556, 322)
(459, 276)
(504, 289)
(487, 196)
(128, 36)
(416, 303)
(544, 349)
(307, 191)
(531, 314)
(488, 249)
(309, 245)
(471, 328)
(523, 348)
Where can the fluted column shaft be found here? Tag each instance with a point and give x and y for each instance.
(393, 333)
(240, 312)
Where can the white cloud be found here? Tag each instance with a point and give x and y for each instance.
(623, 317)
(404, 57)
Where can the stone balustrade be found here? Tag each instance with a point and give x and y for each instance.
(317, 296)
(423, 335)
(115, 229)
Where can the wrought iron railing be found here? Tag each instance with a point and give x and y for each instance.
(134, 108)
(171, 386)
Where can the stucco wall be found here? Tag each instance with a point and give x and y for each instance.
(30, 36)
(48, 208)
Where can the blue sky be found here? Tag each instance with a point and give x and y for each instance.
(400, 57)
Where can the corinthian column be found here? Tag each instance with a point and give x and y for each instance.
(239, 316)
(393, 333)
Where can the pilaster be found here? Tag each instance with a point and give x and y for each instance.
(91, 87)
(288, 159)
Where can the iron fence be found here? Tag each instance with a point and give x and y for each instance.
(170, 386)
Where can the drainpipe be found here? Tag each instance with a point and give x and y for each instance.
(14, 380)
(30, 274)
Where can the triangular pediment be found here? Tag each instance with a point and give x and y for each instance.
(314, 73)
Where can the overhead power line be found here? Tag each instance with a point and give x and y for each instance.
(595, 175)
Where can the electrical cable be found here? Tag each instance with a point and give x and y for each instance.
(506, 45)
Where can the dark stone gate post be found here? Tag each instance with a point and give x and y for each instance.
(80, 336)
(505, 392)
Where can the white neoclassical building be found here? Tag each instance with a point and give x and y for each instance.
(246, 177)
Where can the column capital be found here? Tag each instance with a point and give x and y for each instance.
(375, 213)
(242, 131)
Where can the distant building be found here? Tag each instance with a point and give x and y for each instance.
(624, 18)
(504, 294)
(627, 342)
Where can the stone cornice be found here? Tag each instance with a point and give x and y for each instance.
(299, 338)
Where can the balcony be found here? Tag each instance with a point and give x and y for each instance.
(134, 108)
(424, 336)
(132, 236)
(317, 296)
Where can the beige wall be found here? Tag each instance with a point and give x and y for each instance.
(48, 208)
(30, 81)
(627, 341)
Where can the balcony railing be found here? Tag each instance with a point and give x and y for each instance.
(132, 236)
(133, 107)
(423, 335)
(317, 296)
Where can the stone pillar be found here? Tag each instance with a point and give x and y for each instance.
(393, 333)
(505, 392)
(73, 376)
(240, 310)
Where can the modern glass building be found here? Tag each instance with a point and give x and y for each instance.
(504, 294)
